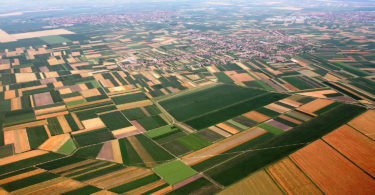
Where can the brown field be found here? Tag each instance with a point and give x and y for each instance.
(42, 99)
(90, 92)
(361, 150)
(292, 180)
(26, 70)
(291, 119)
(20, 176)
(21, 156)
(64, 124)
(318, 94)
(277, 108)
(15, 104)
(54, 142)
(222, 146)
(163, 191)
(19, 140)
(147, 187)
(9, 94)
(105, 152)
(103, 192)
(59, 188)
(70, 99)
(42, 33)
(66, 169)
(25, 77)
(25, 125)
(141, 151)
(256, 116)
(49, 110)
(51, 115)
(95, 123)
(227, 128)
(38, 186)
(258, 183)
(119, 132)
(315, 105)
(290, 102)
(332, 172)
(219, 131)
(365, 123)
(120, 177)
(117, 157)
(134, 104)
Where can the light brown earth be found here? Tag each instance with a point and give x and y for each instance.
(15, 104)
(277, 108)
(256, 116)
(354, 145)
(227, 128)
(258, 183)
(25, 77)
(365, 123)
(64, 124)
(315, 105)
(95, 123)
(291, 179)
(332, 172)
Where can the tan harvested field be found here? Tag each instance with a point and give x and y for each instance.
(5, 37)
(15, 104)
(54, 142)
(49, 110)
(95, 123)
(124, 130)
(19, 140)
(291, 179)
(141, 151)
(277, 108)
(22, 156)
(20, 176)
(147, 187)
(70, 99)
(103, 192)
(40, 34)
(331, 171)
(59, 188)
(134, 104)
(315, 105)
(163, 191)
(25, 125)
(54, 61)
(258, 183)
(291, 119)
(365, 123)
(9, 94)
(66, 169)
(117, 157)
(51, 115)
(361, 149)
(120, 177)
(256, 116)
(290, 102)
(222, 146)
(227, 128)
(64, 124)
(42, 99)
(90, 92)
(25, 77)
(219, 131)
(318, 94)
(38, 186)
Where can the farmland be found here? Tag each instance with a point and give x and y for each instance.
(187, 97)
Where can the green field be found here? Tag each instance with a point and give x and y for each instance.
(271, 128)
(55, 39)
(135, 184)
(152, 122)
(194, 141)
(123, 99)
(93, 137)
(161, 132)
(237, 168)
(200, 102)
(114, 120)
(174, 172)
(37, 135)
